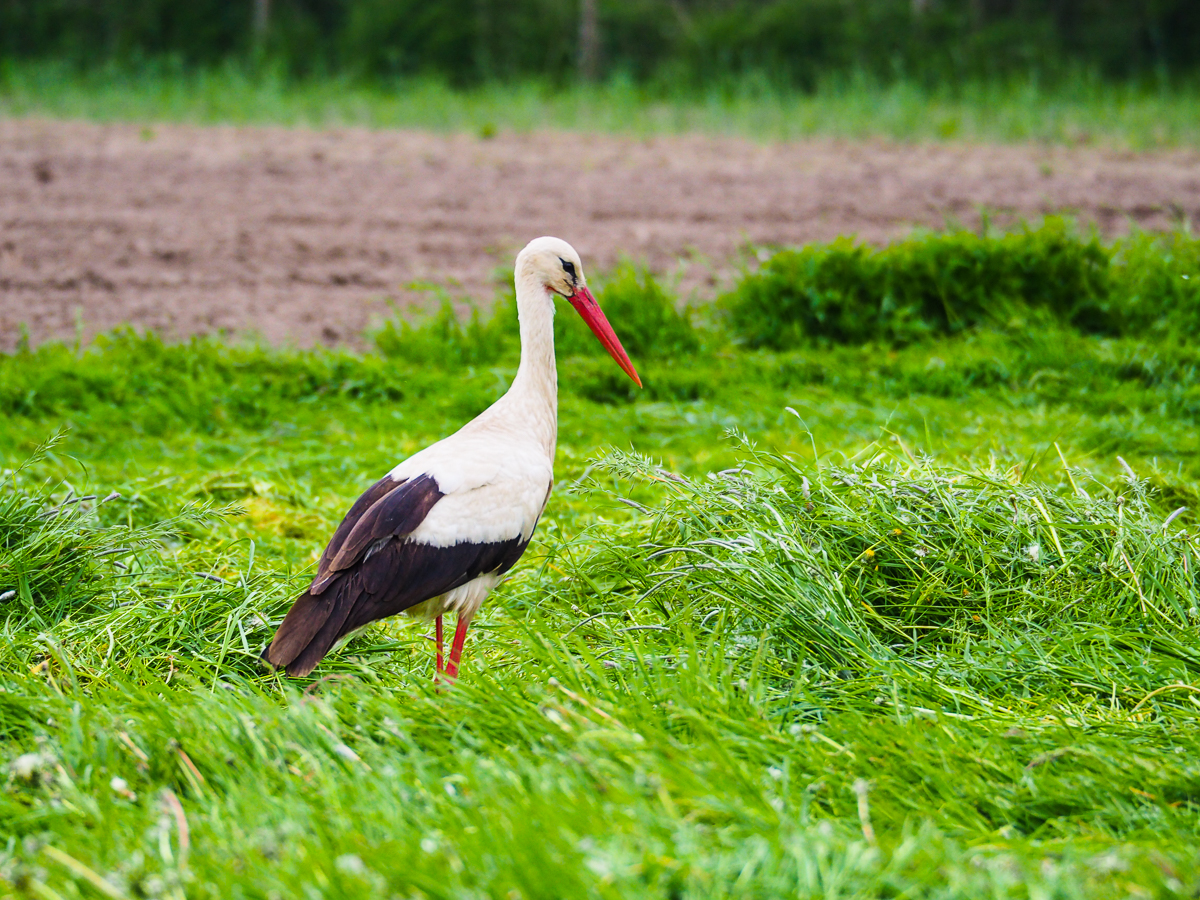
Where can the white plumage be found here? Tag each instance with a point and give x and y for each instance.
(438, 532)
(495, 485)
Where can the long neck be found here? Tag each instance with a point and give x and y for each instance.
(535, 389)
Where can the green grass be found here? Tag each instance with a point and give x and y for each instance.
(1075, 110)
(912, 617)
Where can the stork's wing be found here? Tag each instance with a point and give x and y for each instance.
(387, 509)
(373, 569)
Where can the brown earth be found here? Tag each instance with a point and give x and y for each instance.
(301, 236)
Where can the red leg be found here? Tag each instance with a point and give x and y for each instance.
(460, 637)
(438, 629)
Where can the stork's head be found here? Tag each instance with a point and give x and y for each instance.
(556, 268)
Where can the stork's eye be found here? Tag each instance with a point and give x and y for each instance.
(568, 267)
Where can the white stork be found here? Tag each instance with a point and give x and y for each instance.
(438, 532)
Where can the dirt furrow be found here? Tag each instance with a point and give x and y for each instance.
(302, 236)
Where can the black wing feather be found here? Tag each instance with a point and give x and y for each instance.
(403, 574)
(399, 575)
(355, 587)
(386, 508)
(378, 490)
(389, 513)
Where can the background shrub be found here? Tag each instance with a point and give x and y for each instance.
(848, 293)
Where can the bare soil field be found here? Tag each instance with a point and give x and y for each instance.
(303, 236)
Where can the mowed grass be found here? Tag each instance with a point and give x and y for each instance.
(913, 617)
(1075, 110)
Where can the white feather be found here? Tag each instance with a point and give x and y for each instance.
(494, 487)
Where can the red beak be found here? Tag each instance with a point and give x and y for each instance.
(587, 307)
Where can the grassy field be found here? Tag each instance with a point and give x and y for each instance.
(902, 610)
(1081, 110)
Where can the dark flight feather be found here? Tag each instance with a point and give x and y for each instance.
(377, 491)
(386, 509)
(377, 514)
(401, 574)
(374, 572)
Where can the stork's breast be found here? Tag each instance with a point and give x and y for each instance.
(489, 514)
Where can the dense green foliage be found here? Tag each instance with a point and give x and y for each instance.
(846, 292)
(926, 626)
(1078, 110)
(798, 42)
(886, 559)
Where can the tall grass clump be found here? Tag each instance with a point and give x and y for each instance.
(84, 587)
(58, 553)
(969, 586)
(937, 284)
(1156, 286)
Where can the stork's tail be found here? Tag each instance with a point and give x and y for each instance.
(311, 627)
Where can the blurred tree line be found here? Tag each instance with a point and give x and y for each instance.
(666, 42)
